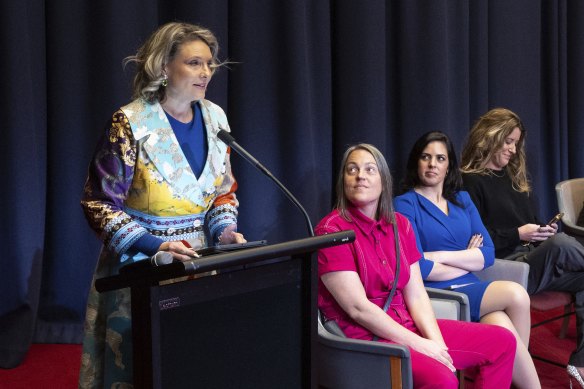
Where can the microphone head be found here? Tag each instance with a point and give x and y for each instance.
(161, 258)
(225, 137)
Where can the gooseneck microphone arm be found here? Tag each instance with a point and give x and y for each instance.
(230, 141)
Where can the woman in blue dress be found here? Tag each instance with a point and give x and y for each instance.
(455, 243)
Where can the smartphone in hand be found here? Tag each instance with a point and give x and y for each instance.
(555, 219)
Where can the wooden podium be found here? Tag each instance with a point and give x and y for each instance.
(251, 325)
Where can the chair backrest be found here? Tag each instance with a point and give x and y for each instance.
(505, 270)
(570, 194)
(448, 304)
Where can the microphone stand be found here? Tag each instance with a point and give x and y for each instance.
(230, 141)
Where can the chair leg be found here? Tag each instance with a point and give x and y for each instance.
(567, 312)
(395, 370)
(566, 321)
(460, 374)
(563, 331)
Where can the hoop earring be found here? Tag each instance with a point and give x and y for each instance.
(164, 81)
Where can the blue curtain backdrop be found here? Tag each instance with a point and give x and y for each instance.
(309, 78)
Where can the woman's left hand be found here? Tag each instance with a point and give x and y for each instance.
(476, 241)
(229, 235)
(434, 350)
(534, 232)
(547, 231)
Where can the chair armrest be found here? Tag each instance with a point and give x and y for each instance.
(351, 363)
(446, 309)
(361, 346)
(572, 229)
(460, 298)
(505, 270)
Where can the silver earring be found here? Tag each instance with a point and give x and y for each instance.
(164, 81)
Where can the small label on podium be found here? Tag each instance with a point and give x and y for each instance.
(169, 303)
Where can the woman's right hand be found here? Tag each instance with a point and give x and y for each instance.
(230, 235)
(535, 232)
(434, 350)
(179, 251)
(476, 241)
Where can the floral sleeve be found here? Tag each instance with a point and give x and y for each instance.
(223, 212)
(109, 178)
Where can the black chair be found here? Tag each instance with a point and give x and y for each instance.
(344, 363)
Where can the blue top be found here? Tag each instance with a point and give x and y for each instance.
(192, 138)
(436, 231)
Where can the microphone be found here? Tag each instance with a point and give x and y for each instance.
(161, 258)
(230, 141)
(158, 259)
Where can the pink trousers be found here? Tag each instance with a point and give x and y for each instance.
(489, 348)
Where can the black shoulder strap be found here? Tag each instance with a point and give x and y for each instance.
(397, 268)
(332, 325)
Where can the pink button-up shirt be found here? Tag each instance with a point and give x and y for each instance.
(372, 256)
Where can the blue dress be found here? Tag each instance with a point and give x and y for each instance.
(436, 231)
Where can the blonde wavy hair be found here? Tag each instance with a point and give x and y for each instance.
(487, 137)
(160, 49)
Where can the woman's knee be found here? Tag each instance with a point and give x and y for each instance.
(427, 372)
(566, 253)
(517, 295)
(504, 295)
(438, 378)
(561, 242)
(561, 239)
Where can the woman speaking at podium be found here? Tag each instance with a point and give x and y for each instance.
(160, 180)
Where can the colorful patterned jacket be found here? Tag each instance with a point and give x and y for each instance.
(140, 182)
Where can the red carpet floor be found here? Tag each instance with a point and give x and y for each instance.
(56, 366)
(46, 366)
(545, 343)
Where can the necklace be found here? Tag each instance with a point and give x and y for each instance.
(494, 172)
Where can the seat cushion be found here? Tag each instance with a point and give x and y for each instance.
(547, 300)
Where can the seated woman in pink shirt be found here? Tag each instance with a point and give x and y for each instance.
(355, 281)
